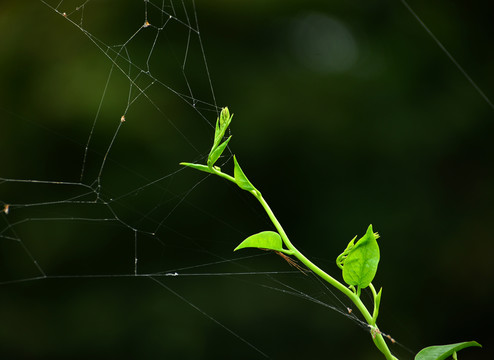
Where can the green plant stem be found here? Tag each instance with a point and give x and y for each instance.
(377, 336)
(275, 241)
(215, 171)
(292, 250)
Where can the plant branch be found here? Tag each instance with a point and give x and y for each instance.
(371, 320)
(274, 241)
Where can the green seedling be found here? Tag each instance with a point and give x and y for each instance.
(358, 262)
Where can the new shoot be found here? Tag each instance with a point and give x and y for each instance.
(358, 262)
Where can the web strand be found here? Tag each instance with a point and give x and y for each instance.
(448, 54)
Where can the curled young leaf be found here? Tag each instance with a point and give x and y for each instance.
(222, 123)
(240, 177)
(268, 240)
(225, 117)
(441, 352)
(360, 265)
(377, 303)
(340, 260)
(215, 155)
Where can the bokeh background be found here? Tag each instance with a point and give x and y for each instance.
(346, 114)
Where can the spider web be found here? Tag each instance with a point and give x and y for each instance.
(111, 218)
(111, 205)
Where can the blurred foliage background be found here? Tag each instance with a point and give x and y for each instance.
(346, 114)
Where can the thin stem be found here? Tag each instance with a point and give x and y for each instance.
(222, 174)
(376, 336)
(292, 250)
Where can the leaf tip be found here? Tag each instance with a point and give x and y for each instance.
(225, 117)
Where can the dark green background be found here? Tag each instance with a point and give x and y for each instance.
(400, 140)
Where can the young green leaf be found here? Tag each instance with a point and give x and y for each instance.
(377, 303)
(442, 352)
(216, 153)
(222, 123)
(225, 117)
(269, 240)
(360, 265)
(340, 260)
(197, 167)
(240, 177)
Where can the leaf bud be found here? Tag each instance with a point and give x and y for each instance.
(224, 116)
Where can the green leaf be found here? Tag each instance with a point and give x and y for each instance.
(269, 240)
(197, 167)
(441, 352)
(225, 118)
(340, 260)
(378, 298)
(360, 265)
(240, 177)
(377, 303)
(222, 123)
(216, 153)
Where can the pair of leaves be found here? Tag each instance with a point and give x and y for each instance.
(359, 261)
(222, 123)
(442, 352)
